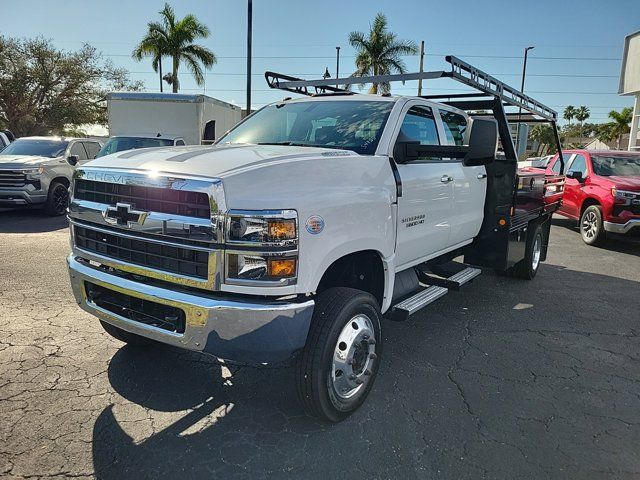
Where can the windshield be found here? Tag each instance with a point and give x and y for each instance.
(118, 144)
(349, 124)
(36, 148)
(620, 166)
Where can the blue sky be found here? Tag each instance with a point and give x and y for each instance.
(576, 60)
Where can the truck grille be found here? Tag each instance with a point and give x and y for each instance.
(143, 252)
(151, 313)
(12, 178)
(150, 199)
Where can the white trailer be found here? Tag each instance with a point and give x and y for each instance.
(197, 119)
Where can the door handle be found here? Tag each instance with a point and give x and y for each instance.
(481, 176)
(446, 179)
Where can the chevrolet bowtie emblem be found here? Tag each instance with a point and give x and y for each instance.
(123, 214)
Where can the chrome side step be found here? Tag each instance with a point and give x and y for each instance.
(465, 275)
(402, 310)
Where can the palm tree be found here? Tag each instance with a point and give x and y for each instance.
(620, 124)
(569, 113)
(544, 135)
(581, 114)
(380, 52)
(174, 38)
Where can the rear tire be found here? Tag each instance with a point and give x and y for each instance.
(592, 227)
(529, 265)
(57, 199)
(336, 369)
(126, 337)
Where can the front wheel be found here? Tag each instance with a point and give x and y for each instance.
(591, 226)
(338, 365)
(57, 199)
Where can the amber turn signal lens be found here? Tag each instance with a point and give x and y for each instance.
(282, 229)
(281, 267)
(502, 222)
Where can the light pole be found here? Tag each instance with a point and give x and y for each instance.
(249, 26)
(524, 73)
(337, 65)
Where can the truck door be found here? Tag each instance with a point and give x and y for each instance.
(469, 183)
(424, 209)
(572, 198)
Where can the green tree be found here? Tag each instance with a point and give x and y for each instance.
(44, 90)
(619, 126)
(174, 38)
(379, 52)
(545, 137)
(569, 113)
(581, 114)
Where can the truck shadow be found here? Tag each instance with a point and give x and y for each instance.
(30, 220)
(629, 244)
(185, 416)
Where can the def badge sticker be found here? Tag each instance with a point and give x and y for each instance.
(315, 224)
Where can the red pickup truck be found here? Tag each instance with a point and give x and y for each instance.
(602, 191)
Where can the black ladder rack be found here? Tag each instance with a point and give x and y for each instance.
(460, 71)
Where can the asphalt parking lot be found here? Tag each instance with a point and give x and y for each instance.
(509, 379)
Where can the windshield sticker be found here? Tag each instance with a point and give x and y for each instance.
(315, 224)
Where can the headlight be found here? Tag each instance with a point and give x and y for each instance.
(272, 237)
(33, 173)
(622, 194)
(276, 268)
(266, 228)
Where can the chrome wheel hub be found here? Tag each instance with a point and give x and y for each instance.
(353, 356)
(537, 249)
(590, 225)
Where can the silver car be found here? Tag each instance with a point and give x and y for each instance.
(37, 171)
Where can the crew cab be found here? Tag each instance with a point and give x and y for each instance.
(292, 237)
(37, 171)
(602, 192)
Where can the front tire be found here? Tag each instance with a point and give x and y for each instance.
(337, 367)
(126, 337)
(57, 199)
(528, 266)
(591, 226)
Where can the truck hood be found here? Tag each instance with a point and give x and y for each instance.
(213, 161)
(631, 183)
(20, 161)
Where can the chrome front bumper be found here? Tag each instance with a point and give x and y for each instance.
(622, 227)
(253, 332)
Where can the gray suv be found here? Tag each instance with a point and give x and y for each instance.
(38, 171)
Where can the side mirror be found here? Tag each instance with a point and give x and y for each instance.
(483, 142)
(72, 160)
(575, 175)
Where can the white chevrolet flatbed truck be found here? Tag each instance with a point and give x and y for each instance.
(291, 238)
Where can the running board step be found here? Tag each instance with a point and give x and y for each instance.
(402, 310)
(454, 282)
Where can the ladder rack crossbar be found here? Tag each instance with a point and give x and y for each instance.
(460, 71)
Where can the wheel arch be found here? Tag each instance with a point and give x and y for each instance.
(365, 270)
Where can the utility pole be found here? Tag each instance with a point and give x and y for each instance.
(421, 67)
(524, 73)
(249, 27)
(337, 65)
(160, 68)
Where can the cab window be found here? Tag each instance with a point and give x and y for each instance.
(419, 126)
(578, 164)
(455, 127)
(78, 149)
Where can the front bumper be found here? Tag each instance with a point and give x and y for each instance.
(20, 197)
(239, 330)
(622, 227)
